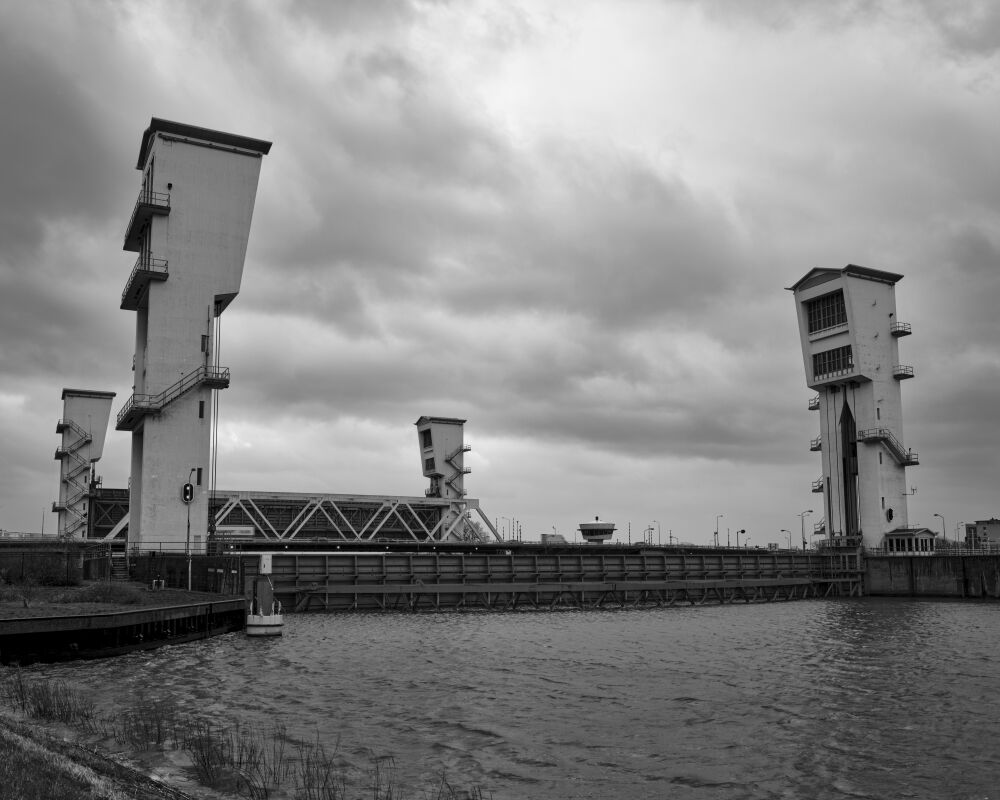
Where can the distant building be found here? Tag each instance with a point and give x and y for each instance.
(850, 335)
(910, 541)
(983, 533)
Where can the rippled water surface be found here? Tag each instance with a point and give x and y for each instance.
(876, 698)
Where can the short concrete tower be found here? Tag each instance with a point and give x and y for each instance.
(442, 451)
(189, 227)
(850, 350)
(83, 426)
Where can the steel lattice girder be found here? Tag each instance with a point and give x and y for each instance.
(285, 516)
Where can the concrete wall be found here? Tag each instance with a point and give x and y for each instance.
(933, 576)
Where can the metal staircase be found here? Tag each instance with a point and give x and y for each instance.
(139, 405)
(455, 480)
(76, 477)
(906, 458)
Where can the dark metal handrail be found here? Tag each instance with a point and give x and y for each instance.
(148, 198)
(156, 200)
(145, 264)
(155, 402)
(903, 456)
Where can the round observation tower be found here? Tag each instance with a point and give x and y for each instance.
(597, 531)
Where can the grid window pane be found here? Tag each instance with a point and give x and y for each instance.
(827, 311)
(833, 362)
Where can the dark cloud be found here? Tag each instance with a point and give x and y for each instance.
(966, 28)
(355, 16)
(787, 14)
(976, 254)
(591, 233)
(970, 27)
(58, 162)
(565, 292)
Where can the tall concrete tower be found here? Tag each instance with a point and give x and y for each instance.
(189, 227)
(850, 351)
(83, 426)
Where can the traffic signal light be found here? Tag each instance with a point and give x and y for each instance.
(187, 494)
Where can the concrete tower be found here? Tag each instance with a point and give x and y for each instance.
(189, 227)
(850, 351)
(83, 426)
(442, 452)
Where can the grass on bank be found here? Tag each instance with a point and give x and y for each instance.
(30, 599)
(236, 759)
(30, 773)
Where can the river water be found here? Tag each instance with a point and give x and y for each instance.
(870, 698)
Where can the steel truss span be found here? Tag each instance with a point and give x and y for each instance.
(511, 580)
(287, 516)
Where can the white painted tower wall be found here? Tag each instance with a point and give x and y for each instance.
(870, 387)
(196, 249)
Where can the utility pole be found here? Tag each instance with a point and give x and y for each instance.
(802, 523)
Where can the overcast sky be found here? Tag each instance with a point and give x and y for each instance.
(570, 223)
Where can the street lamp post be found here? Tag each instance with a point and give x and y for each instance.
(717, 518)
(944, 529)
(785, 530)
(802, 523)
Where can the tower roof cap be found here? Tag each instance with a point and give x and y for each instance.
(444, 420)
(85, 393)
(852, 270)
(157, 125)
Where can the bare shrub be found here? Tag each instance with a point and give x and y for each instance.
(117, 593)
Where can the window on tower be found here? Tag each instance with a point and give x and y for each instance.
(829, 363)
(827, 311)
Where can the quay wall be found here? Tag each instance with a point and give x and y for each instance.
(933, 576)
(32, 639)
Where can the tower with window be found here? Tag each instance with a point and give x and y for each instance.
(189, 229)
(442, 454)
(850, 349)
(82, 426)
